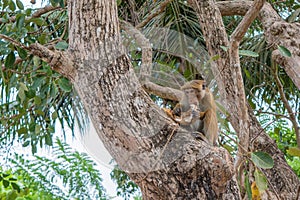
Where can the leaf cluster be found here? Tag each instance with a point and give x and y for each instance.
(68, 174)
(33, 96)
(125, 187)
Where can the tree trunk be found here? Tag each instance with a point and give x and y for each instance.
(283, 184)
(166, 161)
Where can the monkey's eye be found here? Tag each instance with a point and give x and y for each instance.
(203, 87)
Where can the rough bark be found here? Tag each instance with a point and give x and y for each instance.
(284, 184)
(166, 161)
(277, 32)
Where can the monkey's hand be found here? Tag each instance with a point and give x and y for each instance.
(177, 110)
(197, 114)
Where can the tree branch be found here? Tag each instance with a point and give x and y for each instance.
(236, 37)
(277, 32)
(243, 26)
(163, 92)
(144, 44)
(36, 14)
(44, 10)
(287, 106)
(13, 41)
(59, 61)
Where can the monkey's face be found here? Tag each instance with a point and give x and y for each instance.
(201, 93)
(191, 95)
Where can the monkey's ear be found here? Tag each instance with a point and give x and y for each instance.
(199, 76)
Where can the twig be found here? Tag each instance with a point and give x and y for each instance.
(37, 14)
(276, 114)
(44, 10)
(287, 105)
(14, 42)
(269, 183)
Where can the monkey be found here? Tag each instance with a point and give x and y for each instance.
(197, 110)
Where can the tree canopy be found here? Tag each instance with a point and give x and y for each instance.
(167, 43)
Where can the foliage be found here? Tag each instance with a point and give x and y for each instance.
(68, 174)
(294, 163)
(125, 187)
(33, 97)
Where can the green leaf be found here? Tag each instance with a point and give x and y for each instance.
(65, 84)
(12, 5)
(37, 21)
(15, 186)
(20, 4)
(61, 3)
(33, 148)
(62, 45)
(248, 187)
(294, 151)
(248, 53)
(10, 60)
(215, 57)
(37, 128)
(25, 144)
(39, 112)
(5, 4)
(30, 94)
(20, 20)
(262, 160)
(54, 115)
(247, 73)
(37, 100)
(284, 51)
(224, 48)
(22, 130)
(21, 95)
(37, 82)
(5, 183)
(22, 53)
(48, 140)
(23, 86)
(51, 129)
(229, 148)
(32, 126)
(53, 90)
(261, 181)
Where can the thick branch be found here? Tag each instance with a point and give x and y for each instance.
(236, 38)
(59, 61)
(145, 45)
(163, 92)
